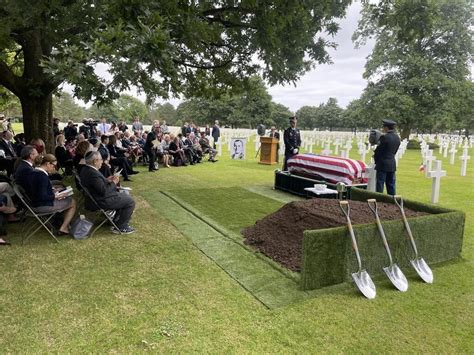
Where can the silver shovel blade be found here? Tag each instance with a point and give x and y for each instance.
(422, 269)
(364, 284)
(397, 277)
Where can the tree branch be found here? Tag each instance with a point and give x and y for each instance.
(221, 10)
(226, 23)
(206, 67)
(8, 79)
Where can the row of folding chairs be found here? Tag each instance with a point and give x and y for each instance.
(38, 221)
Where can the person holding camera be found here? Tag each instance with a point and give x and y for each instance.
(292, 139)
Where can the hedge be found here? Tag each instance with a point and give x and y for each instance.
(328, 257)
(415, 144)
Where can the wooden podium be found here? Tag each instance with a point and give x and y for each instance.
(268, 150)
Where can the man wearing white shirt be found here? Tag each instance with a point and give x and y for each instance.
(103, 126)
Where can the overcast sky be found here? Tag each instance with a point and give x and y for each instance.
(342, 79)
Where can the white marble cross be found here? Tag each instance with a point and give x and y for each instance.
(363, 152)
(453, 152)
(371, 174)
(429, 158)
(464, 158)
(219, 147)
(436, 176)
(337, 144)
(445, 149)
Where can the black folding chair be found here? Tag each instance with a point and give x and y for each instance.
(108, 214)
(39, 219)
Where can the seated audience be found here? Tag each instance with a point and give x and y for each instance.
(8, 211)
(118, 157)
(8, 157)
(63, 155)
(105, 193)
(81, 150)
(165, 149)
(38, 143)
(43, 198)
(177, 151)
(7, 193)
(20, 142)
(164, 128)
(206, 147)
(25, 166)
(137, 126)
(191, 154)
(70, 131)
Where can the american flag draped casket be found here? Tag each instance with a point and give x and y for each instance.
(328, 168)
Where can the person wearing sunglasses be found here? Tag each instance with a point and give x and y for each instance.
(42, 195)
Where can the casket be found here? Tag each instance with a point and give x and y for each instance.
(328, 168)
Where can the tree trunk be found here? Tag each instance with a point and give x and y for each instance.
(405, 133)
(38, 119)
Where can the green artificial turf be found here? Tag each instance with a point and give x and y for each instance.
(157, 291)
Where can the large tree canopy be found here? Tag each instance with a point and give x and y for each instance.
(419, 69)
(163, 47)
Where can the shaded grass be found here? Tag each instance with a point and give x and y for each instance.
(156, 291)
(233, 207)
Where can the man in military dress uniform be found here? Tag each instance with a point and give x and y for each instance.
(384, 157)
(292, 140)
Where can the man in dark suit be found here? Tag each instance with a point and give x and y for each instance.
(292, 139)
(25, 167)
(9, 154)
(70, 131)
(150, 149)
(216, 132)
(384, 157)
(105, 193)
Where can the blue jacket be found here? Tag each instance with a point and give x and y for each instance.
(21, 174)
(41, 191)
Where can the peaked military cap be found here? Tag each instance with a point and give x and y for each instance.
(389, 123)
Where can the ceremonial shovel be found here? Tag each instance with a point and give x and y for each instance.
(418, 263)
(393, 271)
(361, 277)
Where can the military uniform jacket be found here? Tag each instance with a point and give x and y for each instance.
(292, 139)
(384, 155)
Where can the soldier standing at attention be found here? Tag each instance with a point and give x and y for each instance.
(384, 157)
(292, 141)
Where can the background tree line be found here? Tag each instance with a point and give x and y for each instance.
(418, 74)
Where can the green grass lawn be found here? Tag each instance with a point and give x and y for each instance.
(165, 289)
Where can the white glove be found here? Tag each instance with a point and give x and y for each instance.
(295, 151)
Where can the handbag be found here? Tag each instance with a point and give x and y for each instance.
(81, 227)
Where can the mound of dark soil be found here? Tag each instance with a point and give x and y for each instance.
(280, 234)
